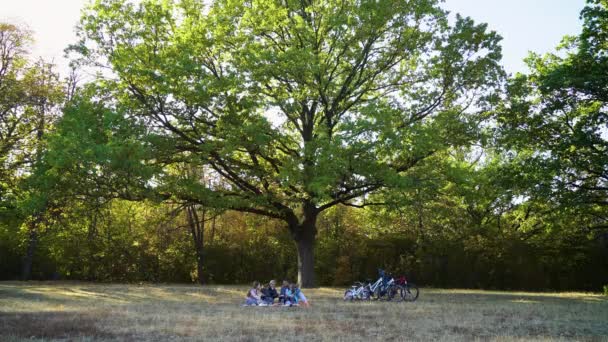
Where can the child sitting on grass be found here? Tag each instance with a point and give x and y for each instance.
(290, 298)
(270, 293)
(254, 296)
(284, 289)
(299, 296)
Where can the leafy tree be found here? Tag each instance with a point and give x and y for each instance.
(17, 118)
(555, 120)
(30, 97)
(298, 105)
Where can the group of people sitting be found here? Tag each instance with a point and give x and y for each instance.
(289, 295)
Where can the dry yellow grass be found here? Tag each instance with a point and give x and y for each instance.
(101, 312)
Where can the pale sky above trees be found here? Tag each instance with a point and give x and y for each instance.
(525, 25)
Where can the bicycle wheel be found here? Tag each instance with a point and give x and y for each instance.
(410, 292)
(376, 294)
(366, 294)
(381, 294)
(394, 293)
(349, 296)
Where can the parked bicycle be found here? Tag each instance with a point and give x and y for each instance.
(359, 291)
(382, 289)
(407, 291)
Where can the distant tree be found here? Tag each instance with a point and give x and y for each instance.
(17, 122)
(30, 98)
(199, 217)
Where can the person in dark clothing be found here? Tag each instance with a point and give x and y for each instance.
(270, 293)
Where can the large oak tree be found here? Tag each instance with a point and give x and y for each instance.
(298, 105)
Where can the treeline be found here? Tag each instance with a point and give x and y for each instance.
(135, 242)
(450, 235)
(226, 142)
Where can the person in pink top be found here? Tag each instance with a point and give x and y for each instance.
(254, 296)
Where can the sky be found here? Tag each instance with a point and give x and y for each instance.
(525, 25)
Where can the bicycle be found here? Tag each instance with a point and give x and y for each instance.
(408, 291)
(383, 287)
(359, 291)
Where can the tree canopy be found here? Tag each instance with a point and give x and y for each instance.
(555, 119)
(298, 105)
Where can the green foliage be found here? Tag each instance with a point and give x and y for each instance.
(96, 153)
(445, 241)
(31, 95)
(294, 106)
(555, 119)
(30, 101)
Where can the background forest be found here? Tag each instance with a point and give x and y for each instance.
(167, 167)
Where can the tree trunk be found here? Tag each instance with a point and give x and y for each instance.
(306, 260)
(197, 229)
(28, 259)
(304, 233)
(199, 266)
(212, 237)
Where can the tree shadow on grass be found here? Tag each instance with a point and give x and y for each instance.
(54, 325)
(85, 295)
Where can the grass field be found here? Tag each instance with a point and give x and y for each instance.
(101, 312)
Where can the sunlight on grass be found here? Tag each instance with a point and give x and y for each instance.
(525, 301)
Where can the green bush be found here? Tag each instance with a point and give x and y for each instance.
(605, 290)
